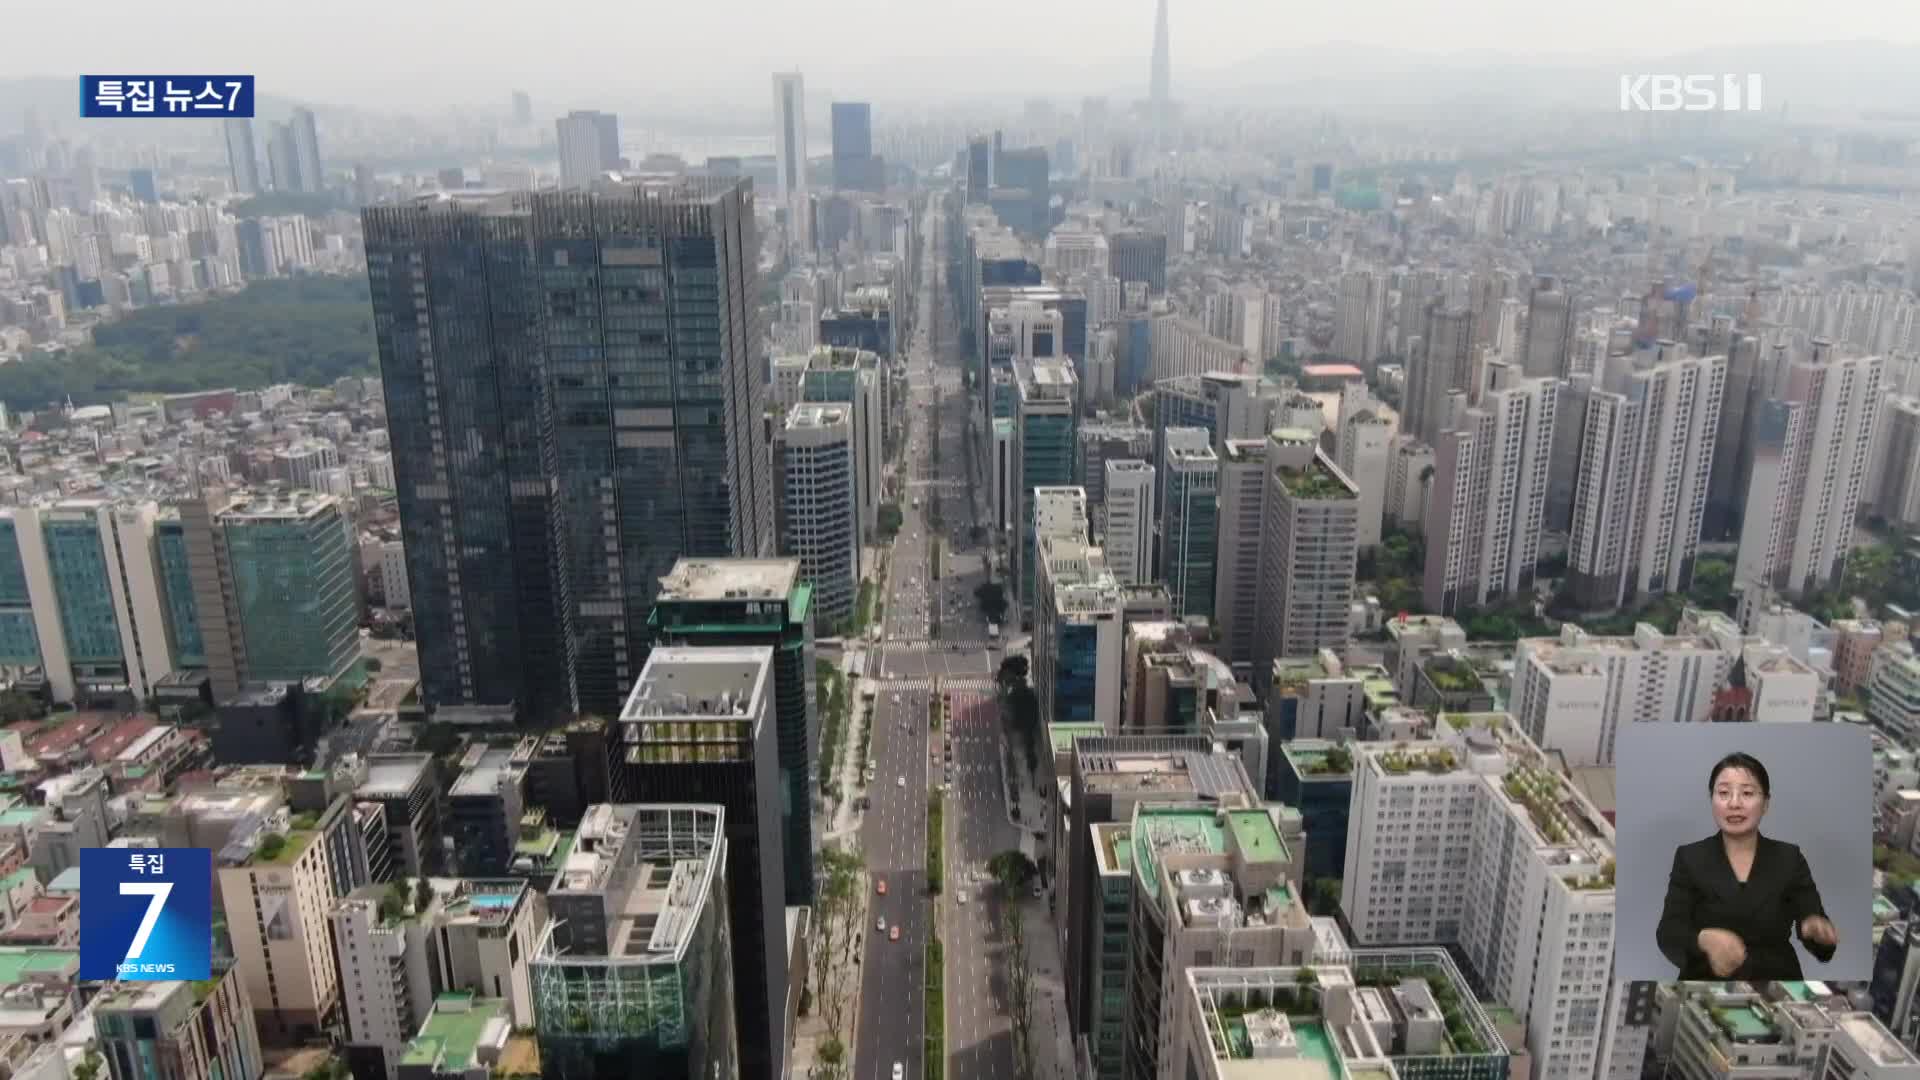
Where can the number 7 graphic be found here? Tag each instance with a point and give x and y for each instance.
(158, 890)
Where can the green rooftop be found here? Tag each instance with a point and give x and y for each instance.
(19, 815)
(1255, 835)
(1746, 1022)
(18, 878)
(291, 845)
(1062, 735)
(1314, 482)
(453, 1030)
(1193, 830)
(17, 964)
(1798, 991)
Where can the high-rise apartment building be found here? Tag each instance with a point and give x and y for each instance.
(1489, 498)
(1309, 550)
(1809, 474)
(243, 161)
(1895, 476)
(516, 597)
(790, 137)
(699, 728)
(589, 146)
(1549, 343)
(1189, 520)
(1127, 536)
(1044, 451)
(1572, 694)
(640, 917)
(306, 150)
(1359, 321)
(1645, 456)
(1363, 450)
(1439, 369)
(760, 602)
(1515, 869)
(1236, 572)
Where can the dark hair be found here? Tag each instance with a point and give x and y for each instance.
(1738, 760)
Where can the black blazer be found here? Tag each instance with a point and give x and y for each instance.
(1702, 892)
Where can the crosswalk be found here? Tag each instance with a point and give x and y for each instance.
(940, 645)
(969, 684)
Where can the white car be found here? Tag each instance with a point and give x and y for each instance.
(899, 1071)
(900, 781)
(880, 925)
(961, 896)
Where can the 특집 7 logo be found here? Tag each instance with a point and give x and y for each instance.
(158, 891)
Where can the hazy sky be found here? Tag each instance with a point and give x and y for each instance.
(578, 51)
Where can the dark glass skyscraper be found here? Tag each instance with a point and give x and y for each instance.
(854, 166)
(574, 406)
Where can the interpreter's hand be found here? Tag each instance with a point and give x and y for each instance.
(1818, 930)
(1725, 951)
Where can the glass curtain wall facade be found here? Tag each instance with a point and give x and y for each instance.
(19, 641)
(294, 589)
(176, 580)
(77, 561)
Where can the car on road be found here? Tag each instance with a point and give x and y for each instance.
(961, 896)
(880, 887)
(899, 1071)
(900, 781)
(893, 934)
(880, 924)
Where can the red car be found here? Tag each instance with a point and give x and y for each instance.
(880, 887)
(893, 934)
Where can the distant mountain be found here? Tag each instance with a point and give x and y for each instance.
(1841, 74)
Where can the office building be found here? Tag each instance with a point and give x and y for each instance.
(1077, 635)
(852, 377)
(529, 611)
(1893, 691)
(83, 598)
(855, 168)
(1315, 777)
(699, 727)
(760, 602)
(1140, 255)
(306, 151)
(1308, 553)
(1737, 1029)
(464, 1035)
(283, 160)
(1109, 779)
(276, 887)
(790, 138)
(177, 1030)
(406, 788)
(1174, 687)
(1572, 694)
(1205, 877)
(399, 946)
(1189, 520)
(1317, 697)
(589, 146)
(640, 917)
(243, 161)
(1645, 455)
(485, 805)
(1020, 191)
(816, 515)
(1489, 498)
(1044, 444)
(1515, 869)
(1101, 443)
(1127, 535)
(1809, 474)
(1367, 1014)
(287, 580)
(1236, 591)
(1549, 342)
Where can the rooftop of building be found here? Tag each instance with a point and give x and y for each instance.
(1573, 651)
(1271, 1024)
(1178, 773)
(1113, 846)
(456, 1031)
(1128, 465)
(23, 963)
(122, 996)
(393, 775)
(1318, 481)
(486, 770)
(1406, 623)
(673, 851)
(1163, 830)
(815, 415)
(270, 507)
(710, 681)
(1061, 735)
(730, 579)
(1872, 1037)
(1318, 758)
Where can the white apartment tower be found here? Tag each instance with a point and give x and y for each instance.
(1810, 472)
(1490, 498)
(1360, 318)
(1646, 453)
(1128, 539)
(1364, 453)
(1473, 839)
(1572, 694)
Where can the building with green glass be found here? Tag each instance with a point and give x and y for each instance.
(760, 602)
(1045, 451)
(295, 609)
(1190, 520)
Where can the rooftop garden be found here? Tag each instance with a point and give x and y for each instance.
(1337, 761)
(1542, 795)
(1314, 482)
(1452, 675)
(1453, 1011)
(1600, 881)
(1399, 761)
(1299, 1003)
(280, 849)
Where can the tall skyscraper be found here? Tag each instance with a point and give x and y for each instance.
(1127, 530)
(529, 425)
(243, 163)
(306, 150)
(789, 136)
(283, 160)
(1441, 366)
(1642, 489)
(1360, 322)
(1043, 456)
(1160, 88)
(589, 146)
(1799, 516)
(699, 728)
(1308, 553)
(853, 161)
(522, 108)
(1489, 498)
(760, 602)
(1549, 331)
(1190, 520)
(1236, 589)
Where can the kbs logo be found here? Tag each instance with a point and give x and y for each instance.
(146, 913)
(1690, 93)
